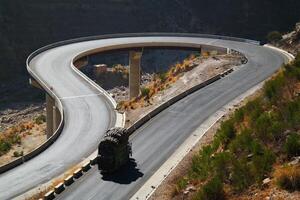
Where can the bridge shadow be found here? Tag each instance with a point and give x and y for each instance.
(125, 175)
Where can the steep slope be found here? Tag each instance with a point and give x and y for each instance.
(27, 25)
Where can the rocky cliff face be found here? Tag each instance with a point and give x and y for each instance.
(28, 25)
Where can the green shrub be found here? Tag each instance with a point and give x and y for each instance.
(221, 164)
(181, 184)
(162, 77)
(239, 115)
(274, 36)
(201, 163)
(268, 126)
(276, 129)
(262, 165)
(292, 145)
(226, 132)
(145, 92)
(262, 124)
(272, 88)
(254, 109)
(40, 119)
(16, 139)
(18, 154)
(291, 113)
(242, 144)
(4, 147)
(291, 71)
(297, 61)
(212, 190)
(241, 175)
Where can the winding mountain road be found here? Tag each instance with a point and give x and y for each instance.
(89, 113)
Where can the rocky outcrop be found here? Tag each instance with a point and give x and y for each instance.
(291, 41)
(28, 25)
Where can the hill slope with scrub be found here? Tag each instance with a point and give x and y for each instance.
(257, 148)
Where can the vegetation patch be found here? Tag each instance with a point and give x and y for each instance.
(246, 147)
(13, 136)
(288, 178)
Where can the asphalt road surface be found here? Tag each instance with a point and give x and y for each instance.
(88, 115)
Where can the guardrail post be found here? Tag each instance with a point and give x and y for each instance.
(134, 73)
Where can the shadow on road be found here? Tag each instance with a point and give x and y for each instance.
(127, 174)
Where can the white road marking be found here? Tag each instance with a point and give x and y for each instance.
(81, 96)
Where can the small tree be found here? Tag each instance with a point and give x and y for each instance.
(145, 92)
(274, 36)
(292, 145)
(212, 190)
(162, 77)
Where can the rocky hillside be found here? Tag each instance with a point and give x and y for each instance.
(27, 25)
(291, 41)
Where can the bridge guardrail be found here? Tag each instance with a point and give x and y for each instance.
(45, 145)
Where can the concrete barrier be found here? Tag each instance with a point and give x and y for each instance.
(173, 100)
(69, 180)
(85, 167)
(94, 161)
(59, 188)
(49, 195)
(78, 173)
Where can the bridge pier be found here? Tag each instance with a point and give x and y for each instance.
(134, 73)
(52, 116)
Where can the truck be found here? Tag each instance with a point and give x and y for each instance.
(114, 150)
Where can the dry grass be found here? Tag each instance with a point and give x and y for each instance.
(288, 177)
(158, 84)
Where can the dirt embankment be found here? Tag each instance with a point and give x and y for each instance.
(202, 69)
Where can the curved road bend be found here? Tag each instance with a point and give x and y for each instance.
(155, 142)
(88, 115)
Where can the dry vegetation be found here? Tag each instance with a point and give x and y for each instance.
(20, 139)
(159, 83)
(163, 81)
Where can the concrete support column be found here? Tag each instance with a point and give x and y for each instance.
(134, 73)
(81, 62)
(56, 118)
(49, 115)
